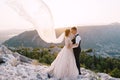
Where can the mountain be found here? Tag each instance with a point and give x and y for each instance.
(14, 66)
(6, 34)
(27, 39)
(103, 39)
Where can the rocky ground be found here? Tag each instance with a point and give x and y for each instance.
(14, 66)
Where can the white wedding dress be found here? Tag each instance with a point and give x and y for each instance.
(64, 66)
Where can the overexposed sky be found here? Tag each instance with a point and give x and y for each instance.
(67, 13)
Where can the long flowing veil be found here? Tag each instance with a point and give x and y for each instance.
(37, 13)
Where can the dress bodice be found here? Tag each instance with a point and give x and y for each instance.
(68, 41)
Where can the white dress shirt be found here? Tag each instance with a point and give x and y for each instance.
(78, 39)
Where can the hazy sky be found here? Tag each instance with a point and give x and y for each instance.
(67, 13)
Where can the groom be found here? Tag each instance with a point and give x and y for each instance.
(77, 50)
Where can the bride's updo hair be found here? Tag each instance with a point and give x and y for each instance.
(67, 32)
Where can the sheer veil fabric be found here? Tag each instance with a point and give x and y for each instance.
(37, 13)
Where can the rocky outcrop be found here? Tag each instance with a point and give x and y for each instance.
(14, 66)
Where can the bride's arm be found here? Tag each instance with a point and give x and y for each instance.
(75, 45)
(70, 45)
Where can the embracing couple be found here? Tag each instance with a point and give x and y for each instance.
(67, 64)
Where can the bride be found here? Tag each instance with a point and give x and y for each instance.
(64, 65)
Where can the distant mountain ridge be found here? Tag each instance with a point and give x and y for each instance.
(6, 34)
(104, 39)
(26, 39)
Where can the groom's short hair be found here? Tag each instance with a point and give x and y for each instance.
(74, 28)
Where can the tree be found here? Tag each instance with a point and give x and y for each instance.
(115, 73)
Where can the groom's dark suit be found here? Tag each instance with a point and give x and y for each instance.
(77, 51)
